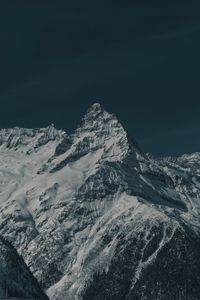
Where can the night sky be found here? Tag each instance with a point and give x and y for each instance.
(139, 59)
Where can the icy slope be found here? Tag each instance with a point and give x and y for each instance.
(15, 278)
(91, 212)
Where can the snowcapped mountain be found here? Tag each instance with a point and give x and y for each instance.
(15, 278)
(96, 218)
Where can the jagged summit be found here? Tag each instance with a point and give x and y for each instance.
(95, 108)
(100, 129)
(23, 131)
(96, 116)
(31, 138)
(98, 121)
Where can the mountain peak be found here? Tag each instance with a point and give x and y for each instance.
(96, 107)
(96, 116)
(95, 110)
(100, 129)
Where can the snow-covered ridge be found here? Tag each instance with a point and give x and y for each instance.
(77, 206)
(29, 139)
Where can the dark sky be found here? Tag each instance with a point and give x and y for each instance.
(140, 59)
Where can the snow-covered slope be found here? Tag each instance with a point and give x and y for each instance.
(95, 218)
(15, 278)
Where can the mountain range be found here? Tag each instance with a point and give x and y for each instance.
(96, 218)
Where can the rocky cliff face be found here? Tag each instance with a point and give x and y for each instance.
(15, 278)
(96, 218)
